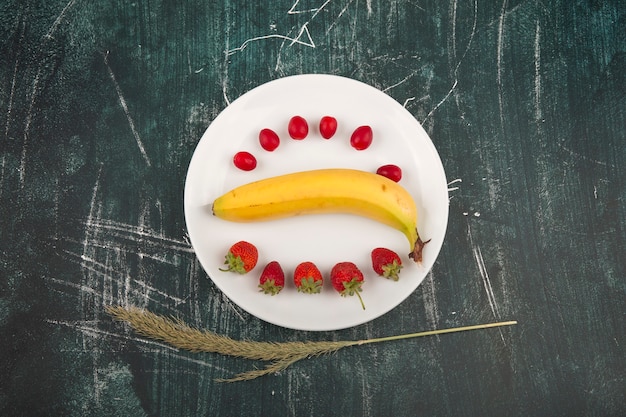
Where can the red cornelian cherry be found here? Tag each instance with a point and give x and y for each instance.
(244, 161)
(268, 139)
(393, 172)
(298, 128)
(328, 126)
(361, 138)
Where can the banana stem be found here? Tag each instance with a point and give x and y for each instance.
(416, 254)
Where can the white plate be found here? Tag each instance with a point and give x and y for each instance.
(324, 239)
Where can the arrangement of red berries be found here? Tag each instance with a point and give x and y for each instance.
(345, 277)
(298, 129)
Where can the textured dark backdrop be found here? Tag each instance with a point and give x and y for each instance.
(102, 104)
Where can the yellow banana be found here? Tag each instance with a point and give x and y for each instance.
(324, 191)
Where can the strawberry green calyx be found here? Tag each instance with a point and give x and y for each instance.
(270, 287)
(392, 270)
(272, 279)
(235, 264)
(242, 257)
(353, 287)
(310, 285)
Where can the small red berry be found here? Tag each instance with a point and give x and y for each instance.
(298, 128)
(347, 280)
(361, 138)
(272, 279)
(328, 127)
(244, 161)
(268, 139)
(386, 263)
(308, 278)
(241, 257)
(393, 172)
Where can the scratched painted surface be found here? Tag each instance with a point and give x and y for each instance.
(102, 104)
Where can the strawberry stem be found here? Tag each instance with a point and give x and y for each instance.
(358, 294)
(235, 264)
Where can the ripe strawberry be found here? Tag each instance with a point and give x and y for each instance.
(347, 279)
(308, 278)
(386, 263)
(272, 279)
(241, 257)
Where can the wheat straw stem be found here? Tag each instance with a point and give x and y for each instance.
(437, 332)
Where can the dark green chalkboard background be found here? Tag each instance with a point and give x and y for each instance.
(103, 102)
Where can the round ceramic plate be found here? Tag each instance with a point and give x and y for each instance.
(323, 239)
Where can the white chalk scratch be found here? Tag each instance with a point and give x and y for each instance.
(130, 232)
(293, 9)
(417, 6)
(11, 97)
(467, 49)
(163, 294)
(88, 280)
(92, 210)
(455, 72)
(443, 100)
(93, 331)
(458, 180)
(402, 81)
(471, 36)
(225, 90)
(339, 16)
(304, 31)
(482, 269)
(29, 120)
(500, 49)
(538, 113)
(486, 281)
(35, 92)
(59, 18)
(430, 301)
(81, 288)
(86, 328)
(453, 30)
(4, 157)
(583, 157)
(122, 100)
(112, 276)
(224, 72)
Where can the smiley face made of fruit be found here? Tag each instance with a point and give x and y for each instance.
(375, 195)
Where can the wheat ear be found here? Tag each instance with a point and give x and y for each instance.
(280, 355)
